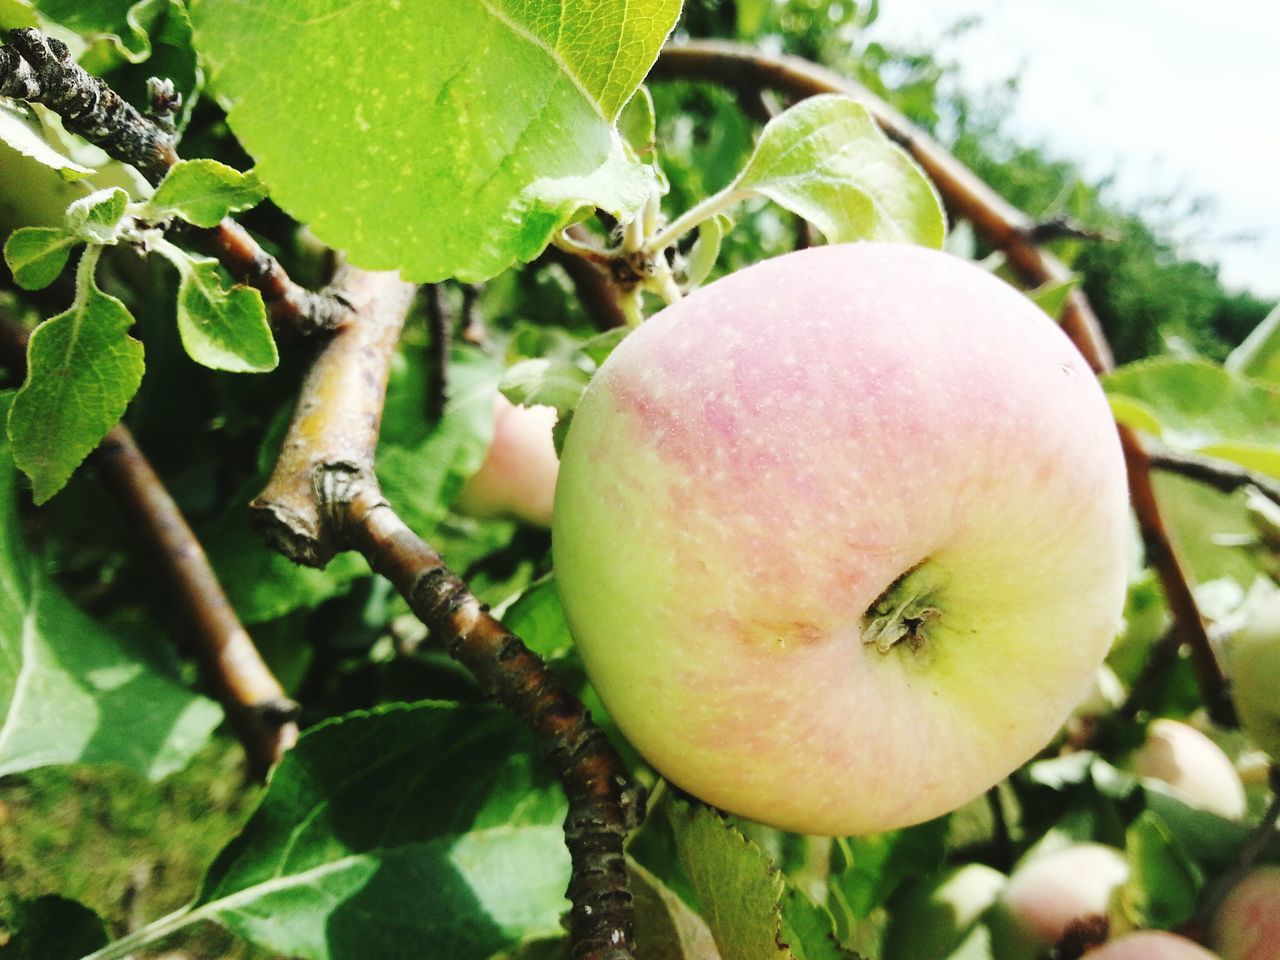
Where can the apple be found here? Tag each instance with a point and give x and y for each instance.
(1194, 766)
(1253, 659)
(842, 537)
(1151, 945)
(928, 919)
(1246, 926)
(518, 476)
(1051, 891)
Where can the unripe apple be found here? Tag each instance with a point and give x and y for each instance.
(929, 919)
(842, 537)
(518, 476)
(1253, 658)
(1247, 924)
(1050, 892)
(1151, 945)
(1194, 766)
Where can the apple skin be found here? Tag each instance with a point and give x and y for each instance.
(1151, 945)
(750, 472)
(518, 476)
(1247, 924)
(1049, 892)
(1253, 659)
(929, 919)
(1195, 766)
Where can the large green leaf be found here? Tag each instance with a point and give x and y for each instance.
(407, 831)
(1197, 407)
(478, 129)
(127, 22)
(69, 690)
(828, 161)
(83, 368)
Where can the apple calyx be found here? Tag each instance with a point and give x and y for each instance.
(901, 613)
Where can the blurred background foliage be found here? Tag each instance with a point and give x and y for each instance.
(341, 640)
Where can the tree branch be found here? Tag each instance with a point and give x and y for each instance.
(1218, 474)
(1007, 228)
(39, 69)
(254, 702)
(323, 497)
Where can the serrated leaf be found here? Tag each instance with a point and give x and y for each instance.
(23, 133)
(827, 160)
(370, 813)
(52, 928)
(479, 130)
(1196, 407)
(223, 329)
(1164, 883)
(97, 218)
(743, 895)
(70, 691)
(203, 192)
(548, 383)
(83, 368)
(37, 255)
(1052, 297)
(666, 928)
(1259, 355)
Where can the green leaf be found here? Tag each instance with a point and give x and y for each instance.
(98, 218)
(370, 813)
(479, 129)
(15, 14)
(827, 160)
(537, 618)
(52, 928)
(1164, 883)
(1196, 407)
(126, 22)
(37, 255)
(221, 329)
(69, 690)
(21, 131)
(744, 898)
(203, 192)
(1052, 297)
(867, 870)
(549, 383)
(1259, 355)
(638, 125)
(83, 368)
(705, 251)
(666, 928)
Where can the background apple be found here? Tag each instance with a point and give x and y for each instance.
(1246, 925)
(825, 569)
(929, 918)
(1253, 656)
(1151, 945)
(1195, 766)
(518, 476)
(1050, 891)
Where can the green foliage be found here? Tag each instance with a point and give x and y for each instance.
(503, 94)
(203, 192)
(52, 928)
(37, 255)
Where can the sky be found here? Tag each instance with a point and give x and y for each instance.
(1169, 95)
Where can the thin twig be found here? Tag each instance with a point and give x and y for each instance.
(323, 497)
(1007, 228)
(1218, 474)
(40, 69)
(596, 291)
(439, 336)
(255, 703)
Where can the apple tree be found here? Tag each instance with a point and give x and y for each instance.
(302, 299)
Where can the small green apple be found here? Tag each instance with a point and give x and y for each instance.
(842, 537)
(1195, 766)
(928, 919)
(1253, 659)
(518, 476)
(1246, 926)
(1051, 891)
(1151, 945)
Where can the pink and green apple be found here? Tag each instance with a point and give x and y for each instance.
(1195, 766)
(1151, 945)
(518, 476)
(842, 537)
(1246, 926)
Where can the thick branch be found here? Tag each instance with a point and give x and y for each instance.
(255, 703)
(323, 497)
(41, 70)
(1005, 227)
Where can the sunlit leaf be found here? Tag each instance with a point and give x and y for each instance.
(203, 192)
(37, 255)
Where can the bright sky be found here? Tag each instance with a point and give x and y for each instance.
(1171, 95)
